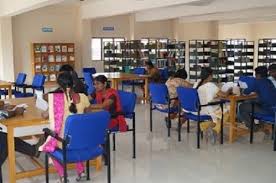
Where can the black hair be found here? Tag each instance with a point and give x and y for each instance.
(262, 71)
(272, 67)
(205, 73)
(65, 81)
(102, 79)
(181, 73)
(66, 68)
(150, 64)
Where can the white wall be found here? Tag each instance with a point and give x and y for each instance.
(6, 50)
(27, 30)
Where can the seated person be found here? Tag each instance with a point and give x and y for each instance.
(265, 101)
(63, 103)
(108, 99)
(208, 92)
(272, 73)
(153, 72)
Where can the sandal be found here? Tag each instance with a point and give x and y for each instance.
(61, 180)
(81, 177)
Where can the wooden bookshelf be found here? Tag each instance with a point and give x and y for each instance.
(47, 58)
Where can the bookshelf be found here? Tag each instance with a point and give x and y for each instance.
(176, 54)
(49, 57)
(266, 51)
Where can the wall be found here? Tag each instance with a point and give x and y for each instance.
(155, 29)
(27, 29)
(6, 50)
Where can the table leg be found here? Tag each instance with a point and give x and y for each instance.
(233, 131)
(116, 84)
(113, 83)
(11, 155)
(10, 92)
(146, 88)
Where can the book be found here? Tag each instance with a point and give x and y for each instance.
(58, 58)
(52, 77)
(44, 49)
(37, 59)
(58, 68)
(52, 68)
(51, 49)
(64, 48)
(38, 68)
(57, 48)
(51, 58)
(64, 58)
(44, 58)
(72, 58)
(37, 49)
(70, 49)
(44, 68)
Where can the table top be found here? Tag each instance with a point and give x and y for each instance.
(5, 83)
(32, 115)
(241, 97)
(119, 75)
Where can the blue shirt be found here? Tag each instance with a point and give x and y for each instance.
(266, 93)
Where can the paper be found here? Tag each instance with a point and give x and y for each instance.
(227, 86)
(20, 105)
(41, 104)
(243, 85)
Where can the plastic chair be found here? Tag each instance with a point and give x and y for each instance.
(138, 71)
(264, 118)
(83, 136)
(91, 70)
(88, 79)
(128, 101)
(159, 95)
(37, 84)
(249, 80)
(19, 83)
(189, 101)
(164, 74)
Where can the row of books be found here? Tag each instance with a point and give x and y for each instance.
(53, 48)
(54, 58)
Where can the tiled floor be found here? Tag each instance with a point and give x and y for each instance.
(164, 160)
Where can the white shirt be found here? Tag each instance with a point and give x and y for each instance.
(272, 79)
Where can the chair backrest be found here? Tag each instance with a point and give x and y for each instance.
(91, 70)
(128, 101)
(164, 73)
(38, 81)
(139, 70)
(86, 131)
(249, 80)
(188, 98)
(88, 79)
(21, 78)
(159, 93)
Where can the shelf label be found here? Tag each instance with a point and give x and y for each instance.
(108, 28)
(47, 29)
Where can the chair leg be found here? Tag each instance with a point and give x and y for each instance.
(198, 135)
(108, 160)
(252, 130)
(272, 136)
(201, 135)
(65, 172)
(188, 126)
(87, 170)
(1, 176)
(169, 127)
(46, 168)
(179, 128)
(134, 137)
(114, 142)
(221, 131)
(151, 116)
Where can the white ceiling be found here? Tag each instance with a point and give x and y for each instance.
(225, 11)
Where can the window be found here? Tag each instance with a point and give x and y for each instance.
(97, 46)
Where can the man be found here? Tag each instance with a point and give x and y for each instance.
(153, 72)
(266, 99)
(272, 73)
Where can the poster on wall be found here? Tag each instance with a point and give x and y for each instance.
(108, 28)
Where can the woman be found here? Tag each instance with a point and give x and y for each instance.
(208, 92)
(153, 72)
(62, 104)
(108, 99)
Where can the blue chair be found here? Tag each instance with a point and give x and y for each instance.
(138, 71)
(19, 83)
(88, 79)
(164, 74)
(91, 70)
(264, 118)
(189, 101)
(84, 135)
(37, 84)
(159, 95)
(128, 101)
(249, 80)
